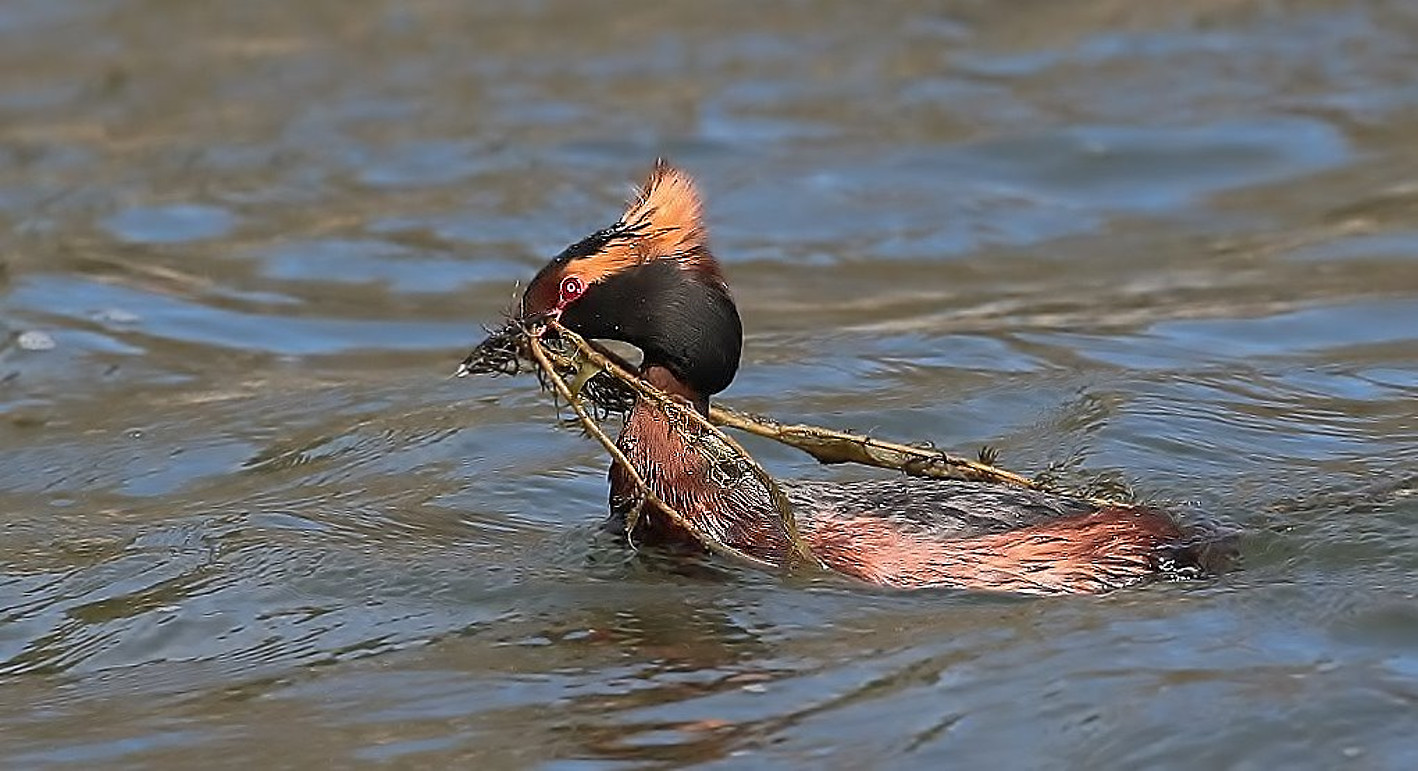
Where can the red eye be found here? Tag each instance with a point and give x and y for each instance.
(571, 288)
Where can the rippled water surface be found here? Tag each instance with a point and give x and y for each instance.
(247, 520)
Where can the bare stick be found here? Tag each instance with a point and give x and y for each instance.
(829, 446)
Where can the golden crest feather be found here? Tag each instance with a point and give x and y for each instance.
(667, 215)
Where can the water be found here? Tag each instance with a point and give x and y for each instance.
(246, 518)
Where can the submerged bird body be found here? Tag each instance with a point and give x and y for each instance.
(904, 533)
(650, 281)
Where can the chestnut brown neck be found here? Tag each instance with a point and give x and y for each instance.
(677, 459)
(665, 380)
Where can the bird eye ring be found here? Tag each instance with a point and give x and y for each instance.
(572, 287)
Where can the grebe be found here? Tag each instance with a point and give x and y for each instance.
(650, 280)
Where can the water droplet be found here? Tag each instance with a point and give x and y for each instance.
(35, 340)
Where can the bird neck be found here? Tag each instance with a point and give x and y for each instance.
(662, 378)
(694, 472)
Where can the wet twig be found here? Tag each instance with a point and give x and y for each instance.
(614, 387)
(827, 446)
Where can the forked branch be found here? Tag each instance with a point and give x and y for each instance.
(826, 445)
(800, 554)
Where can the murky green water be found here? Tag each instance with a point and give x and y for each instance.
(246, 520)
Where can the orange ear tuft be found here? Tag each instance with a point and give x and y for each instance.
(668, 215)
